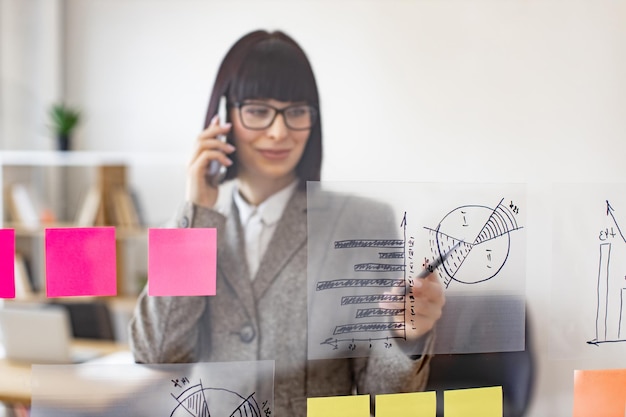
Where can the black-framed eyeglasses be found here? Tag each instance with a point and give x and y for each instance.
(259, 116)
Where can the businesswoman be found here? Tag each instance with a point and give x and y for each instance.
(274, 145)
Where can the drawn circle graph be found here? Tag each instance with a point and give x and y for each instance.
(198, 401)
(485, 233)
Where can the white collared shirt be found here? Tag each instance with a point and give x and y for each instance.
(259, 223)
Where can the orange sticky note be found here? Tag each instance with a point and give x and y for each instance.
(182, 261)
(7, 263)
(473, 402)
(600, 393)
(344, 406)
(412, 404)
(80, 261)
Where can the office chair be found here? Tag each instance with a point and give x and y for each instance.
(90, 319)
(514, 371)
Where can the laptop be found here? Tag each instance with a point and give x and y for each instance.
(41, 334)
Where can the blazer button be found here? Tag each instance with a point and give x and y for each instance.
(184, 222)
(247, 333)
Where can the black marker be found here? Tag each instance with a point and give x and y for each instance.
(441, 259)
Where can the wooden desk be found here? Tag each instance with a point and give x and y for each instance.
(15, 378)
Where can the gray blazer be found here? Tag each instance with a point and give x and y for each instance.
(262, 319)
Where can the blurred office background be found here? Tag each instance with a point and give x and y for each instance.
(412, 90)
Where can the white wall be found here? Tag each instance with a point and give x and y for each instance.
(30, 71)
(479, 91)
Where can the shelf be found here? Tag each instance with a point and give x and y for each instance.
(98, 196)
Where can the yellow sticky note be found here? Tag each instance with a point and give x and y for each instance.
(473, 402)
(344, 406)
(413, 404)
(599, 392)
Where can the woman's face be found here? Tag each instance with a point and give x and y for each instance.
(269, 154)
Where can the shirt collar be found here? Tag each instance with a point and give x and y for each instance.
(270, 210)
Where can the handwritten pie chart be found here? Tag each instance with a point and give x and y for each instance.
(485, 236)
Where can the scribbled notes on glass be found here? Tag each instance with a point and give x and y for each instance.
(588, 261)
(344, 406)
(475, 402)
(412, 404)
(182, 262)
(175, 390)
(600, 393)
(80, 262)
(7, 256)
(368, 244)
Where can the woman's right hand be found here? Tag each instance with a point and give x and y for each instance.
(208, 148)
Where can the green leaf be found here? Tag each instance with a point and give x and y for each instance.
(64, 118)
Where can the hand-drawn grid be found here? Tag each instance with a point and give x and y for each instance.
(610, 324)
(484, 249)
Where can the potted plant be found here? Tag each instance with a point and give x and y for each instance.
(64, 120)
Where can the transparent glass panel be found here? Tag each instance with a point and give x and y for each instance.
(588, 270)
(198, 389)
(369, 243)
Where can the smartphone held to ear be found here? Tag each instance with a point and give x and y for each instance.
(215, 171)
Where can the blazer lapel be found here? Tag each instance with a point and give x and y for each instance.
(232, 261)
(289, 237)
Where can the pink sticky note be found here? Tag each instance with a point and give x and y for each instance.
(182, 261)
(7, 263)
(80, 261)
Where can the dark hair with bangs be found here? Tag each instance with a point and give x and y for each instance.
(270, 65)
